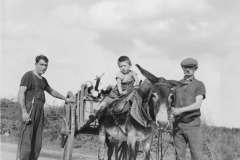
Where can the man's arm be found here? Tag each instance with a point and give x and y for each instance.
(192, 107)
(21, 100)
(55, 94)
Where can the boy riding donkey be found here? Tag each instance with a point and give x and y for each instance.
(125, 84)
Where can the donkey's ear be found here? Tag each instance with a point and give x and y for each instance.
(147, 74)
(175, 84)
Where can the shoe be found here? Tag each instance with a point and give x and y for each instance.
(91, 119)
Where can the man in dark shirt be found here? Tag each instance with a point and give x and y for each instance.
(32, 98)
(187, 123)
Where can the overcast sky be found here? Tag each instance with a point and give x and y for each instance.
(85, 38)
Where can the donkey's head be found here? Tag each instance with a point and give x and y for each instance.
(160, 97)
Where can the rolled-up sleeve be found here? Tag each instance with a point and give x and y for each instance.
(134, 74)
(120, 76)
(201, 90)
(26, 80)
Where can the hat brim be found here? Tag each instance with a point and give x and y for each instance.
(191, 65)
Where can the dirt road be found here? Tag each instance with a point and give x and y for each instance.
(6, 155)
(8, 152)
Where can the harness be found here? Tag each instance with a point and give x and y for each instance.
(116, 120)
(146, 114)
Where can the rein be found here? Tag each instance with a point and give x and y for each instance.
(153, 123)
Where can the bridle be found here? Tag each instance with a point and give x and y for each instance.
(147, 114)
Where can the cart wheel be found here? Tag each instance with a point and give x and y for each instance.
(68, 129)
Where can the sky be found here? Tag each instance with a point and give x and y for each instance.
(85, 38)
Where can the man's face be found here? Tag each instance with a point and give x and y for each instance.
(189, 70)
(41, 66)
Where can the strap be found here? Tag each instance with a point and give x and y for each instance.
(116, 122)
(147, 116)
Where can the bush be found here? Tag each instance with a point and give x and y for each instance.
(220, 143)
(9, 117)
(52, 122)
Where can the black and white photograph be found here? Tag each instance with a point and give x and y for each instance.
(120, 80)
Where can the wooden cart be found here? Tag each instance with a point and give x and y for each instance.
(75, 116)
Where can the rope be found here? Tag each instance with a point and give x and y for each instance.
(160, 139)
(116, 122)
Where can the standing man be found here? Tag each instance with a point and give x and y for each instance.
(187, 124)
(31, 98)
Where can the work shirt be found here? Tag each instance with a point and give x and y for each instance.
(27, 80)
(127, 83)
(186, 95)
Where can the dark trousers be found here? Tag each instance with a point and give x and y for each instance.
(191, 134)
(30, 138)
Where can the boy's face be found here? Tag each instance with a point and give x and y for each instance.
(124, 67)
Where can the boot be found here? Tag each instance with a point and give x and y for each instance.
(92, 118)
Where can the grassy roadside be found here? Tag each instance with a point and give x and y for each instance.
(220, 143)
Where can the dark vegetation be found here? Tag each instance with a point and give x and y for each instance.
(220, 143)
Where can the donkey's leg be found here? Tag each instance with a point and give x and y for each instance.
(147, 147)
(131, 141)
(102, 139)
(111, 143)
(137, 145)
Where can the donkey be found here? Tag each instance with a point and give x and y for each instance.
(156, 106)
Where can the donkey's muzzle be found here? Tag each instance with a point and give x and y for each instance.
(162, 125)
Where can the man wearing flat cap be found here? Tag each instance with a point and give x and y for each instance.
(187, 123)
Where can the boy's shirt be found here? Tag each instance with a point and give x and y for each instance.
(126, 77)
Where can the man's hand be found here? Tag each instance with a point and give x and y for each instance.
(58, 95)
(136, 86)
(69, 100)
(25, 116)
(176, 111)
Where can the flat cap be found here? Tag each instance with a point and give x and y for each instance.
(189, 62)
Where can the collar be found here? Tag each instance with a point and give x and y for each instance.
(127, 72)
(189, 79)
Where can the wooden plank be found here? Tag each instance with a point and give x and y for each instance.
(82, 106)
(85, 95)
(78, 125)
(67, 141)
